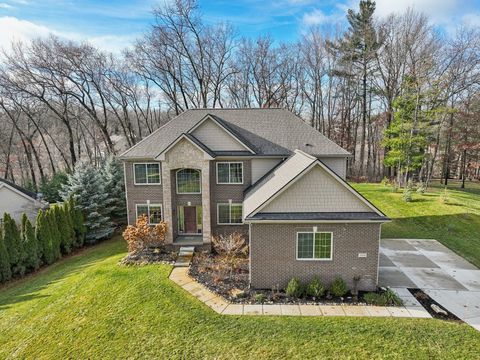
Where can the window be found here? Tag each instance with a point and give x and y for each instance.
(146, 174)
(229, 173)
(228, 214)
(153, 212)
(188, 181)
(314, 246)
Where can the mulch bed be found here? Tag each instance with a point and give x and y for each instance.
(153, 255)
(427, 303)
(208, 270)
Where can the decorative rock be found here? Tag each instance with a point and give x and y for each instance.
(438, 309)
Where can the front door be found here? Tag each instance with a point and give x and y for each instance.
(190, 213)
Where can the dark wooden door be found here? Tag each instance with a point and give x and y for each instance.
(190, 213)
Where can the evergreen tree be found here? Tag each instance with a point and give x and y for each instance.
(5, 272)
(114, 187)
(14, 245)
(44, 237)
(76, 219)
(65, 227)
(32, 260)
(51, 189)
(86, 187)
(55, 231)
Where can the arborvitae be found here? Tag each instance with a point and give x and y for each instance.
(5, 272)
(14, 245)
(32, 259)
(69, 234)
(76, 217)
(113, 180)
(44, 237)
(86, 187)
(55, 231)
(65, 229)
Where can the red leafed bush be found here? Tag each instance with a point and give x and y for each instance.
(142, 235)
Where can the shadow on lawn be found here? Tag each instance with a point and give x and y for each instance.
(28, 288)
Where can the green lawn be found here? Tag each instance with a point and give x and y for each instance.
(87, 306)
(456, 223)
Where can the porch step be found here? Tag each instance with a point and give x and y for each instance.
(184, 256)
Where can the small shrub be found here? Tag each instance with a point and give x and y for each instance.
(407, 195)
(315, 288)
(421, 188)
(392, 298)
(375, 299)
(444, 197)
(294, 289)
(385, 181)
(260, 298)
(141, 235)
(338, 287)
(233, 244)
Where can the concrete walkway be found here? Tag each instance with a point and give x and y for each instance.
(180, 276)
(428, 265)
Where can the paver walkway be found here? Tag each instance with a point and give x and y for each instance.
(185, 256)
(428, 265)
(180, 276)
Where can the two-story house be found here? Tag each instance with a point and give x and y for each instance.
(262, 172)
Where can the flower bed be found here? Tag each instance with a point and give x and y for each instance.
(151, 255)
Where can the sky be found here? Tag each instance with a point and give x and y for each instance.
(114, 24)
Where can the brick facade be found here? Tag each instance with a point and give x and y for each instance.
(273, 255)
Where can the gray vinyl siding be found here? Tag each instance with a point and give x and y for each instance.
(316, 191)
(337, 164)
(273, 255)
(262, 166)
(216, 138)
(139, 194)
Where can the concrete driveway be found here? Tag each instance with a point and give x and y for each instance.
(426, 264)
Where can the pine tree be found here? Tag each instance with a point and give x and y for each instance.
(5, 272)
(44, 237)
(55, 231)
(14, 245)
(113, 179)
(32, 260)
(86, 187)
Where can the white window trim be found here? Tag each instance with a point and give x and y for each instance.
(148, 205)
(314, 232)
(147, 183)
(187, 193)
(229, 213)
(229, 162)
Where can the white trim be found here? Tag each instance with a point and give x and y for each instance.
(209, 117)
(196, 220)
(188, 193)
(229, 213)
(146, 173)
(148, 205)
(255, 221)
(229, 163)
(161, 156)
(306, 170)
(313, 258)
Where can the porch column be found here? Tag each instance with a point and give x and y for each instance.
(206, 222)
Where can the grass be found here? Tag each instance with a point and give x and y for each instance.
(87, 306)
(456, 223)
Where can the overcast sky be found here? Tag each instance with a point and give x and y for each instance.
(114, 24)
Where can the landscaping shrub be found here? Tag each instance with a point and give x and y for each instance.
(421, 188)
(375, 299)
(44, 238)
(385, 181)
(338, 287)
(5, 272)
(260, 298)
(77, 220)
(141, 235)
(14, 245)
(294, 289)
(233, 244)
(315, 288)
(51, 216)
(392, 298)
(32, 258)
(444, 196)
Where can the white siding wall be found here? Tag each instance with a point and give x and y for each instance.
(16, 205)
(261, 166)
(338, 165)
(316, 191)
(216, 138)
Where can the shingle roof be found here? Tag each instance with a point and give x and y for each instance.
(331, 216)
(19, 188)
(266, 131)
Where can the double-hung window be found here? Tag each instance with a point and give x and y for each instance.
(229, 214)
(146, 174)
(188, 181)
(153, 212)
(314, 245)
(229, 173)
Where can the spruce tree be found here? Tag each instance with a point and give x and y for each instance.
(32, 260)
(86, 187)
(44, 237)
(5, 272)
(14, 245)
(114, 187)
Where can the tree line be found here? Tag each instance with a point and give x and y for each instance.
(399, 94)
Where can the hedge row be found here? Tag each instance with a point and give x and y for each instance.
(57, 232)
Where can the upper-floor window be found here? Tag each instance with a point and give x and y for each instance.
(230, 173)
(147, 174)
(188, 181)
(314, 245)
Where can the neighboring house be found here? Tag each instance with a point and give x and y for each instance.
(16, 200)
(267, 174)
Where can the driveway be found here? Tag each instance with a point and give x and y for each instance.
(426, 264)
